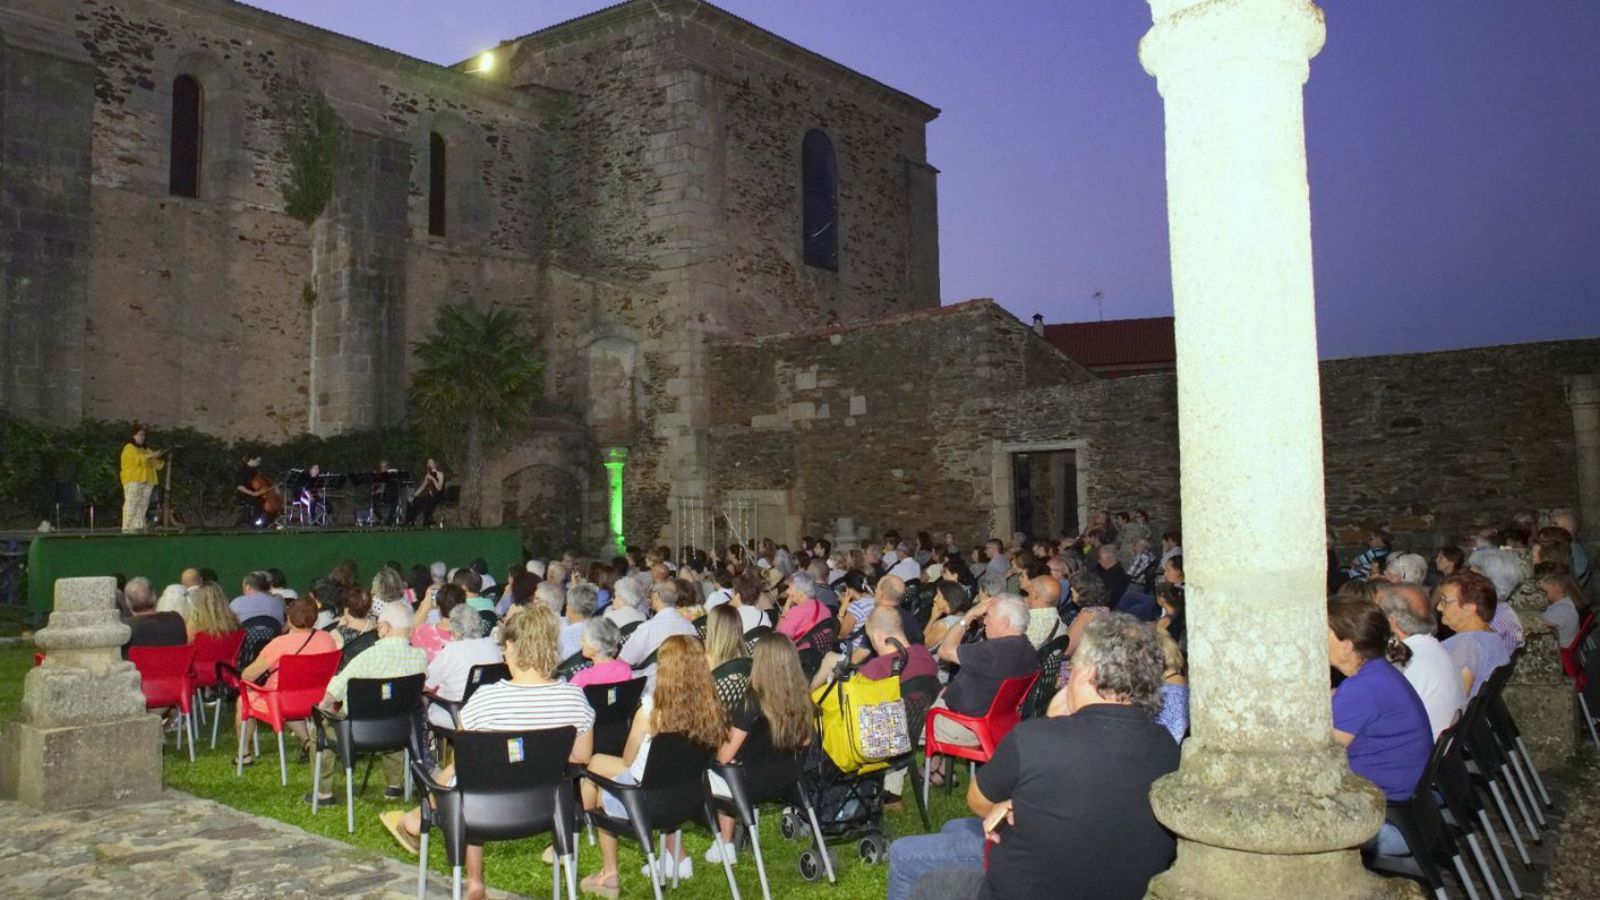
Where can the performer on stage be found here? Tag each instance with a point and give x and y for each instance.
(140, 471)
(428, 495)
(385, 495)
(251, 489)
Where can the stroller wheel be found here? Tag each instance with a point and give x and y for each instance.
(873, 849)
(789, 824)
(810, 865)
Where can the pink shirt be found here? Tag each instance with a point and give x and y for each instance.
(611, 672)
(801, 618)
(292, 644)
(431, 639)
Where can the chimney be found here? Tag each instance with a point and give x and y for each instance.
(1038, 324)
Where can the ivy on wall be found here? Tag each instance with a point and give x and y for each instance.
(313, 144)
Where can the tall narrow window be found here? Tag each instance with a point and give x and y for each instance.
(436, 183)
(187, 102)
(819, 174)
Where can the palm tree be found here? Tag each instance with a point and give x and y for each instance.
(478, 380)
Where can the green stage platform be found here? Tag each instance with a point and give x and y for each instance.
(302, 555)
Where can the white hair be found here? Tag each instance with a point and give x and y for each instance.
(1499, 566)
(174, 598)
(627, 592)
(535, 567)
(466, 622)
(549, 593)
(1410, 568)
(1011, 608)
(397, 617)
(804, 583)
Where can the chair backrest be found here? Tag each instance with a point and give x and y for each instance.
(732, 681)
(572, 665)
(510, 782)
(382, 711)
(212, 649)
(918, 694)
(614, 706)
(755, 634)
(674, 791)
(1044, 688)
(258, 633)
(482, 674)
(822, 637)
(166, 674)
(1140, 605)
(627, 630)
(700, 626)
(1006, 710)
(303, 680)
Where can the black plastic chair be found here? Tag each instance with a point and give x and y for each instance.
(614, 706)
(572, 665)
(1490, 743)
(1506, 731)
(379, 716)
(258, 633)
(1431, 841)
(918, 694)
(1462, 805)
(1038, 699)
(760, 775)
(700, 626)
(671, 793)
(755, 634)
(509, 785)
(477, 676)
(1486, 767)
(627, 631)
(733, 681)
(823, 637)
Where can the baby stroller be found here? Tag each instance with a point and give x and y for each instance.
(868, 729)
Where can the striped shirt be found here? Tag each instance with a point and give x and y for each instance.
(506, 706)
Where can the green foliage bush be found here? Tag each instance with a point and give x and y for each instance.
(34, 459)
(313, 146)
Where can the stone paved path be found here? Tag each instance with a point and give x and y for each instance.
(182, 846)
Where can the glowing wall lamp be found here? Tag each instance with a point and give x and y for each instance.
(616, 458)
(485, 64)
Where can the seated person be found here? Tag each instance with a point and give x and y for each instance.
(391, 656)
(531, 700)
(1377, 715)
(1044, 596)
(950, 604)
(802, 610)
(1006, 653)
(449, 670)
(146, 626)
(302, 639)
(256, 601)
(601, 639)
(887, 643)
(1064, 811)
(684, 703)
(1562, 596)
(1467, 605)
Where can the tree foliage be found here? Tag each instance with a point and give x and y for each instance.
(313, 146)
(478, 382)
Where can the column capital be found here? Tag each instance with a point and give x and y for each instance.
(1192, 36)
(1583, 390)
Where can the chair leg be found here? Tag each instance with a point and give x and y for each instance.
(255, 738)
(349, 802)
(1510, 823)
(572, 875)
(1588, 719)
(922, 805)
(1525, 785)
(555, 877)
(1483, 866)
(455, 883)
(655, 870)
(422, 866)
(927, 778)
(186, 728)
(1461, 873)
(761, 865)
(405, 774)
(238, 755)
(283, 763)
(1533, 771)
(316, 787)
(1515, 790)
(1499, 853)
(727, 864)
(822, 846)
(216, 719)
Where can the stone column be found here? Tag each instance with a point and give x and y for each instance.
(1583, 395)
(1264, 804)
(83, 737)
(616, 459)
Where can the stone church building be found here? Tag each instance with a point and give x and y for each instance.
(726, 245)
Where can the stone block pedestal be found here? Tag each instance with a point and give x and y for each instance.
(82, 765)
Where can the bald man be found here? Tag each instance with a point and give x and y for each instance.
(1436, 678)
(1044, 619)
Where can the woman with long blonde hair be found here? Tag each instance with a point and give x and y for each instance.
(724, 636)
(209, 613)
(779, 693)
(685, 704)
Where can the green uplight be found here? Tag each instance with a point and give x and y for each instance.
(616, 458)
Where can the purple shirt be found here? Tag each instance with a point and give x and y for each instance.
(1393, 737)
(1506, 624)
(1480, 652)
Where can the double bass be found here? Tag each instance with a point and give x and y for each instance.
(270, 501)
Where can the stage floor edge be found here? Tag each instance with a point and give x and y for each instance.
(303, 555)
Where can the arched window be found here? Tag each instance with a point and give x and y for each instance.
(437, 174)
(819, 174)
(188, 100)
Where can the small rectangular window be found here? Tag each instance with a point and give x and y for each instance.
(437, 174)
(187, 101)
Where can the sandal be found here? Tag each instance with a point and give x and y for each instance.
(394, 820)
(245, 760)
(596, 884)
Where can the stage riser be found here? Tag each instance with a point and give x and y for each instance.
(302, 555)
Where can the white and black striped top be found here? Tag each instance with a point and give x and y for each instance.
(504, 706)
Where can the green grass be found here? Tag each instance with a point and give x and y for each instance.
(514, 866)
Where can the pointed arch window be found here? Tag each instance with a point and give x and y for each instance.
(438, 178)
(188, 102)
(819, 174)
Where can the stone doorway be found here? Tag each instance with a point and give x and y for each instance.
(1039, 489)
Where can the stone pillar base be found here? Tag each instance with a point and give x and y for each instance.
(1547, 717)
(1215, 873)
(68, 767)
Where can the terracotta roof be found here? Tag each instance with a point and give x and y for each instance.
(1119, 342)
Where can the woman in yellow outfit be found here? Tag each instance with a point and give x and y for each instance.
(140, 466)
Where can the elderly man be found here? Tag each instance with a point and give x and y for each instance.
(149, 627)
(667, 604)
(470, 646)
(995, 554)
(1405, 568)
(391, 657)
(1063, 810)
(583, 600)
(1431, 671)
(1112, 573)
(802, 610)
(1044, 616)
(191, 579)
(256, 602)
(985, 664)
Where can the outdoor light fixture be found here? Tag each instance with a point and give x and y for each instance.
(616, 458)
(485, 64)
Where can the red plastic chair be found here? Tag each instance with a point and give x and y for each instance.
(1003, 715)
(1572, 654)
(166, 676)
(209, 651)
(302, 682)
(38, 660)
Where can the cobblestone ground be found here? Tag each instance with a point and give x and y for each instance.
(182, 846)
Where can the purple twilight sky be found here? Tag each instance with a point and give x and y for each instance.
(1453, 147)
